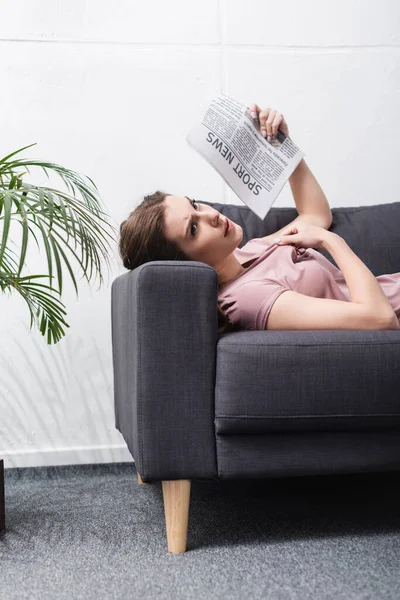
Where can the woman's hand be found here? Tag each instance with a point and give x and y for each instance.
(302, 235)
(270, 121)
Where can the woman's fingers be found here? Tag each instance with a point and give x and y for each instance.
(266, 117)
(268, 122)
(275, 124)
(269, 119)
(254, 110)
(263, 117)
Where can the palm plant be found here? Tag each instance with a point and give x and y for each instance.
(63, 222)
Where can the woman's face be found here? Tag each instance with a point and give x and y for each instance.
(199, 230)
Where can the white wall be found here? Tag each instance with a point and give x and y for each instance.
(111, 90)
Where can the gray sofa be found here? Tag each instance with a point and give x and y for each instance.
(193, 404)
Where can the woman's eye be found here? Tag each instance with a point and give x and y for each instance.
(194, 224)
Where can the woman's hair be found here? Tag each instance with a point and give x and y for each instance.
(142, 239)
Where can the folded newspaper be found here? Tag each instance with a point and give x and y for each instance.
(255, 169)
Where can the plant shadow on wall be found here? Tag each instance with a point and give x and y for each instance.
(68, 371)
(64, 222)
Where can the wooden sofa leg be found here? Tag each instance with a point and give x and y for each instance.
(176, 507)
(140, 482)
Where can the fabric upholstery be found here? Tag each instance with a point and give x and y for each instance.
(301, 454)
(340, 380)
(164, 333)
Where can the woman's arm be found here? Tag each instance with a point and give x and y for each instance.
(308, 195)
(363, 286)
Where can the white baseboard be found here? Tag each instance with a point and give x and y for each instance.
(65, 456)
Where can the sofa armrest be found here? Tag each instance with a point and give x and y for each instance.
(164, 334)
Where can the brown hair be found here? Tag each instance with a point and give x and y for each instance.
(142, 239)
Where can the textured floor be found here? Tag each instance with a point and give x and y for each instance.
(92, 532)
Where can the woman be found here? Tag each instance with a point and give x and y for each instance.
(252, 279)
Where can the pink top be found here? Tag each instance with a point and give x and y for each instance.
(248, 298)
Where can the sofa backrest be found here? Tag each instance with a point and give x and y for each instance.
(372, 232)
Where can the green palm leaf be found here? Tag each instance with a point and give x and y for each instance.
(66, 223)
(46, 311)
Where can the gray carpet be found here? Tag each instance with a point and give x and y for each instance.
(92, 532)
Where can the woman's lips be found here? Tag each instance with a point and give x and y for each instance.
(229, 227)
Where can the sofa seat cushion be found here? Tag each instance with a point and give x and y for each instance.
(332, 380)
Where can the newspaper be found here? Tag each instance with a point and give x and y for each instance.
(230, 141)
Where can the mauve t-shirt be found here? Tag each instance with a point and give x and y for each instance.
(271, 270)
